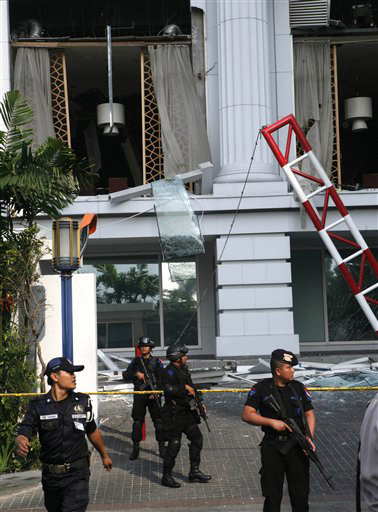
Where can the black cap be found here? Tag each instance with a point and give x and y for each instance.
(284, 356)
(62, 363)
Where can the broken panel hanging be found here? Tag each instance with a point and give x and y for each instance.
(179, 231)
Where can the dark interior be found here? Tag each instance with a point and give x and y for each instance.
(358, 76)
(87, 78)
(88, 18)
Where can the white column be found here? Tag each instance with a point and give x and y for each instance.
(244, 90)
(254, 296)
(4, 51)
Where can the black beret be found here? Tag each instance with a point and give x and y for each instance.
(284, 356)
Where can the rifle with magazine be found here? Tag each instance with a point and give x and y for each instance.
(150, 382)
(300, 438)
(196, 405)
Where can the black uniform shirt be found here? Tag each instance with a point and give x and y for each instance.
(293, 410)
(61, 426)
(173, 380)
(154, 366)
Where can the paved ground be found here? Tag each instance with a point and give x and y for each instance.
(230, 455)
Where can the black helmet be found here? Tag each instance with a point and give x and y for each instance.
(177, 350)
(145, 342)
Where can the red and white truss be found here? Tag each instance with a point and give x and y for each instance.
(319, 221)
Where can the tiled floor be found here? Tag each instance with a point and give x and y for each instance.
(230, 455)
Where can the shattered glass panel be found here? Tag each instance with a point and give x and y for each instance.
(179, 230)
(182, 270)
(348, 379)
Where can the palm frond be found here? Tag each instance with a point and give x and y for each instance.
(16, 115)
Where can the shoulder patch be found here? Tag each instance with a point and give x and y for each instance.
(252, 392)
(170, 372)
(307, 393)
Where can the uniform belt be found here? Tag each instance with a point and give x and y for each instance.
(67, 467)
(279, 437)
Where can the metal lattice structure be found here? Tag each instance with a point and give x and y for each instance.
(152, 148)
(321, 179)
(59, 96)
(336, 163)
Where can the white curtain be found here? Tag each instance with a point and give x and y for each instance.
(32, 79)
(184, 137)
(313, 99)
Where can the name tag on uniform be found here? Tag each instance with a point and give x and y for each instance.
(79, 415)
(79, 425)
(49, 417)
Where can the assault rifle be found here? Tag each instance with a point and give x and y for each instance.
(300, 437)
(196, 404)
(150, 382)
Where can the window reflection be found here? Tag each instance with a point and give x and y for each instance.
(346, 320)
(128, 299)
(179, 303)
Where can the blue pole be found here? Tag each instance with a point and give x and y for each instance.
(67, 337)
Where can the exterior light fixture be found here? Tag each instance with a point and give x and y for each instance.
(66, 259)
(358, 110)
(66, 245)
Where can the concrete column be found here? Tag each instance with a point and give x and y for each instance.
(5, 84)
(254, 296)
(245, 101)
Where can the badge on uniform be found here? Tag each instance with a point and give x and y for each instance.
(78, 425)
(48, 417)
(79, 408)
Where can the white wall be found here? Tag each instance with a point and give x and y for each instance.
(84, 327)
(4, 52)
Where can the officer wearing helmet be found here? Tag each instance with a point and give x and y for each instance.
(136, 373)
(178, 416)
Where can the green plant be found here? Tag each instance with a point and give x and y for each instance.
(17, 374)
(6, 449)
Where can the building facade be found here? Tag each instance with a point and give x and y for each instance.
(267, 281)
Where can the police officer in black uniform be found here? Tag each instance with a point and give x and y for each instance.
(280, 453)
(135, 372)
(62, 418)
(179, 417)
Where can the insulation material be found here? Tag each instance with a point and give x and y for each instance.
(180, 235)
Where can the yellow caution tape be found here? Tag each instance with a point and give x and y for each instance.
(227, 390)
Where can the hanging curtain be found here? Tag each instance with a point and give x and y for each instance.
(313, 99)
(32, 79)
(184, 137)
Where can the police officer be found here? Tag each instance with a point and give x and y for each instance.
(136, 372)
(280, 453)
(178, 416)
(62, 419)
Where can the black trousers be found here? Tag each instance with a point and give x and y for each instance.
(183, 423)
(67, 492)
(295, 465)
(140, 406)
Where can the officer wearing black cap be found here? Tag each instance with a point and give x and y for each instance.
(136, 373)
(62, 418)
(179, 417)
(280, 453)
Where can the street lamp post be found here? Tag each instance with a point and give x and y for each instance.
(66, 259)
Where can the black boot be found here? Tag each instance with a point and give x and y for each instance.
(168, 480)
(135, 453)
(195, 475)
(162, 449)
